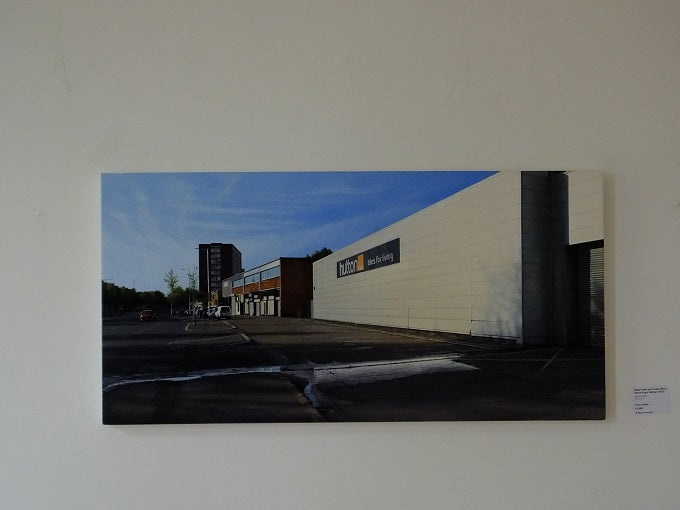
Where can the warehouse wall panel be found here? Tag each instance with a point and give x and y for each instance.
(455, 255)
(586, 206)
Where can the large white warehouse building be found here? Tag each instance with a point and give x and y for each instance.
(518, 255)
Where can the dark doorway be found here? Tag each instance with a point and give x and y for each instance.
(590, 293)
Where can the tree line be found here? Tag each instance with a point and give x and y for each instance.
(319, 254)
(117, 299)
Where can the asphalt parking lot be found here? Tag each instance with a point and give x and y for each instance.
(270, 369)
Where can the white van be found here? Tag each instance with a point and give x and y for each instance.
(223, 312)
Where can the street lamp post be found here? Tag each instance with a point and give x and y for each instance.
(192, 283)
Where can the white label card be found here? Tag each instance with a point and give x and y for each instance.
(653, 400)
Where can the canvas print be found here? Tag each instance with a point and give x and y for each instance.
(392, 296)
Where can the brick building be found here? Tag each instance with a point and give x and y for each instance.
(281, 288)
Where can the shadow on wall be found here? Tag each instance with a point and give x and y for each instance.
(497, 311)
(494, 307)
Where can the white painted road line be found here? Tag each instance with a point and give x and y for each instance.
(332, 374)
(213, 339)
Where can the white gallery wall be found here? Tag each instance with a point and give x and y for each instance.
(106, 86)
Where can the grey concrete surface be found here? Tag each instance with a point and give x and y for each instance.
(270, 369)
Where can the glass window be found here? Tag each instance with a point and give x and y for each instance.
(253, 278)
(271, 273)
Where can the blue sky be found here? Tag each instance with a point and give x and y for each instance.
(153, 222)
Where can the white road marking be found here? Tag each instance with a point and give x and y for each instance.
(331, 374)
(223, 338)
(199, 374)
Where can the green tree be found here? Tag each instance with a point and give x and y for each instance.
(193, 279)
(192, 290)
(153, 299)
(174, 289)
(117, 299)
(172, 281)
(110, 298)
(319, 254)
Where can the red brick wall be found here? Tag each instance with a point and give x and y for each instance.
(251, 287)
(271, 283)
(296, 286)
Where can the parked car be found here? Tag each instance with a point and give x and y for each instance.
(147, 315)
(223, 312)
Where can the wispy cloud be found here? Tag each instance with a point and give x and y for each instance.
(154, 222)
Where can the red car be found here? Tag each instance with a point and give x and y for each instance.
(147, 315)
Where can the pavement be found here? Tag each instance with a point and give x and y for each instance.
(269, 369)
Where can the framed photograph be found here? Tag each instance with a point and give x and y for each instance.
(352, 296)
